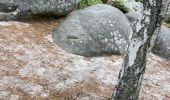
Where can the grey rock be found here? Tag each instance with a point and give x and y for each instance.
(134, 17)
(134, 6)
(96, 30)
(7, 7)
(162, 44)
(12, 9)
(167, 18)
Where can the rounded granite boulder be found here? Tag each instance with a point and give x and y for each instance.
(96, 30)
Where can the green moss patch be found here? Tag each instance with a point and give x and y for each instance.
(168, 25)
(86, 3)
(120, 5)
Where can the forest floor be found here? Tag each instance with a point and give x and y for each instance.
(32, 67)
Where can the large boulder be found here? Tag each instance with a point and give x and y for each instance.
(96, 30)
(162, 44)
(13, 9)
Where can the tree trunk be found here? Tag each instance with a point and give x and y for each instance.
(142, 40)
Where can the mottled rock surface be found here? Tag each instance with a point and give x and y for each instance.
(167, 18)
(96, 30)
(134, 6)
(17, 9)
(133, 17)
(32, 67)
(162, 44)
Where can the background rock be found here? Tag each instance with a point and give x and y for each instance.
(12, 9)
(96, 30)
(133, 6)
(167, 18)
(162, 44)
(133, 17)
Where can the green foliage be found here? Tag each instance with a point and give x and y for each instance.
(120, 5)
(104, 1)
(139, 1)
(86, 3)
(167, 19)
(168, 25)
(122, 1)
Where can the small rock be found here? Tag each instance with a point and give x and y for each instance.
(4, 94)
(14, 97)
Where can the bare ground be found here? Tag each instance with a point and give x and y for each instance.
(32, 67)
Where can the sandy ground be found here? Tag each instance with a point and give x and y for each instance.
(32, 67)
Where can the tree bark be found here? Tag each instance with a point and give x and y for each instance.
(142, 40)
